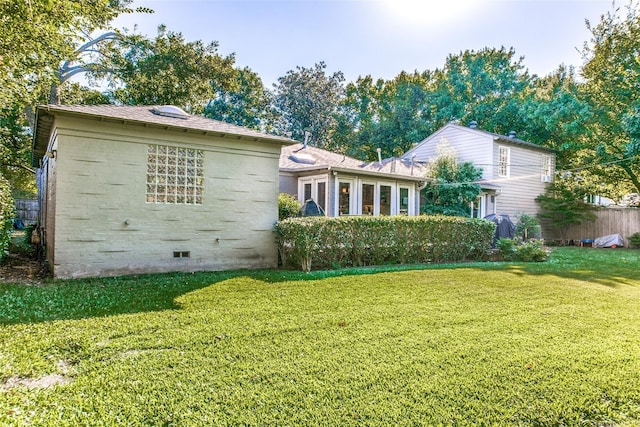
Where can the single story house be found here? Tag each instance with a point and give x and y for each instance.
(140, 189)
(342, 185)
(514, 172)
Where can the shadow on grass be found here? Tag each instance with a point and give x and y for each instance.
(604, 266)
(85, 298)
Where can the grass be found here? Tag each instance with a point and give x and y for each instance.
(552, 343)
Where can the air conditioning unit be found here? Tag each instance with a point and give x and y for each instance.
(546, 178)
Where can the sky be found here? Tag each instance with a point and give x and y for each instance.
(380, 38)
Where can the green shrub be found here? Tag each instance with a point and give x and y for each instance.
(532, 251)
(634, 240)
(529, 251)
(507, 249)
(6, 216)
(288, 206)
(356, 241)
(528, 227)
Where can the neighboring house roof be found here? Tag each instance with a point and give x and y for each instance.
(145, 116)
(300, 158)
(502, 139)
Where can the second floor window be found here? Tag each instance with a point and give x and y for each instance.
(546, 171)
(503, 161)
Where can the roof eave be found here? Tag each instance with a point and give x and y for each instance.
(51, 111)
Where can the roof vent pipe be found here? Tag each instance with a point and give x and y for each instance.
(473, 124)
(306, 138)
(512, 134)
(379, 150)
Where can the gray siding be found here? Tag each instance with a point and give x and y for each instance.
(517, 192)
(524, 183)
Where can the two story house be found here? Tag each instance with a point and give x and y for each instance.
(514, 172)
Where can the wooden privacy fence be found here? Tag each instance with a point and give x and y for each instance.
(27, 210)
(623, 221)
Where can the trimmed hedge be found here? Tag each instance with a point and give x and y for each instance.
(357, 241)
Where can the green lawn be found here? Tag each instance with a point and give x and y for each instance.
(555, 343)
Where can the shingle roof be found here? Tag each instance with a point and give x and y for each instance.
(298, 158)
(142, 115)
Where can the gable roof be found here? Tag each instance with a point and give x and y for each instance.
(502, 139)
(142, 116)
(298, 158)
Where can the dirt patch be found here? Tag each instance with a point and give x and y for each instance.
(24, 262)
(32, 383)
(45, 381)
(20, 268)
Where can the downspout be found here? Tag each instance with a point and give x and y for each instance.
(336, 193)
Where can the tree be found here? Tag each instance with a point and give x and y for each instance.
(166, 70)
(451, 186)
(246, 103)
(357, 118)
(562, 206)
(405, 113)
(6, 216)
(38, 38)
(612, 87)
(39, 35)
(307, 100)
(15, 151)
(487, 86)
(555, 115)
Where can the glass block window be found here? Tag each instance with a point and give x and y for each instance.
(175, 175)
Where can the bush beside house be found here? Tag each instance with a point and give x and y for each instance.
(288, 206)
(6, 216)
(321, 242)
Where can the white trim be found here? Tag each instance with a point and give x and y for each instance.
(504, 164)
(546, 168)
(393, 208)
(353, 190)
(314, 181)
(410, 199)
(361, 198)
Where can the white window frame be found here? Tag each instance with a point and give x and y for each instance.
(411, 205)
(482, 208)
(504, 161)
(352, 195)
(361, 197)
(314, 181)
(393, 206)
(546, 168)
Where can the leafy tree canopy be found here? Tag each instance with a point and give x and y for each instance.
(487, 86)
(307, 100)
(245, 103)
(166, 70)
(612, 88)
(38, 35)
